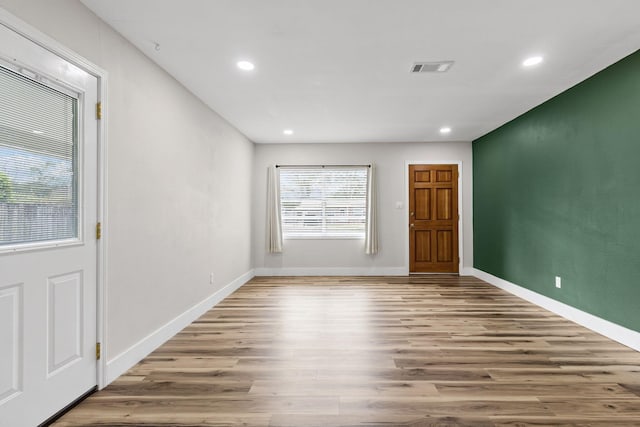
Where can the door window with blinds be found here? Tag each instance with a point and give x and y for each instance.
(38, 162)
(323, 202)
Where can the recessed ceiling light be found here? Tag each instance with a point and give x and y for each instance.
(245, 65)
(288, 132)
(37, 132)
(534, 60)
(445, 129)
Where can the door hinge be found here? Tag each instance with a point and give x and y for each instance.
(98, 231)
(97, 351)
(99, 110)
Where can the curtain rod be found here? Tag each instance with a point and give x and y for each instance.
(323, 166)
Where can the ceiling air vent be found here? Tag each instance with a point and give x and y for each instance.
(431, 67)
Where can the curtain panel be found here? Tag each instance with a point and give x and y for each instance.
(371, 228)
(274, 222)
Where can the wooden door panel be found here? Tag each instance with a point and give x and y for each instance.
(445, 245)
(433, 218)
(443, 204)
(423, 245)
(443, 176)
(422, 176)
(423, 203)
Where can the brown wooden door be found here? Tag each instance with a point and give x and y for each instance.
(433, 219)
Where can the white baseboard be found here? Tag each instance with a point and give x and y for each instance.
(128, 358)
(467, 271)
(332, 271)
(618, 333)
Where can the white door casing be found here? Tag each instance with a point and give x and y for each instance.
(48, 291)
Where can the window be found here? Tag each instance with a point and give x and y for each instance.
(38, 162)
(324, 202)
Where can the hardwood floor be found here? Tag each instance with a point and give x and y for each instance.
(384, 351)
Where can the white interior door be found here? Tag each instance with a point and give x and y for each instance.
(48, 199)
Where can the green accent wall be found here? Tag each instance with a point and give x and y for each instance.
(556, 192)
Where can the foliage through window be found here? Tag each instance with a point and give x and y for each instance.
(321, 202)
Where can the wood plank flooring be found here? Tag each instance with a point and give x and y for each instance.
(383, 351)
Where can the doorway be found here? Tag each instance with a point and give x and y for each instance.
(49, 209)
(433, 218)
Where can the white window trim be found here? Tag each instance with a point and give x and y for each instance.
(326, 235)
(70, 241)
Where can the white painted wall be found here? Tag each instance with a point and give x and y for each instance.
(179, 181)
(347, 256)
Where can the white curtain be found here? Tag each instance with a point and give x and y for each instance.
(274, 224)
(371, 232)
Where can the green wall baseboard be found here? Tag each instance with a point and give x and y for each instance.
(610, 330)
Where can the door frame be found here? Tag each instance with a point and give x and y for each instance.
(36, 36)
(460, 210)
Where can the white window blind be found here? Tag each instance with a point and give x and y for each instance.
(38, 162)
(323, 201)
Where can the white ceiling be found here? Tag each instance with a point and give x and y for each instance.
(338, 70)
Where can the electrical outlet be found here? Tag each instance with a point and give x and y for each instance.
(558, 282)
(211, 278)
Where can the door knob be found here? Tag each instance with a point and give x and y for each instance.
(411, 225)
(412, 214)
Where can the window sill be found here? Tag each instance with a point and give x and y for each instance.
(41, 245)
(323, 237)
